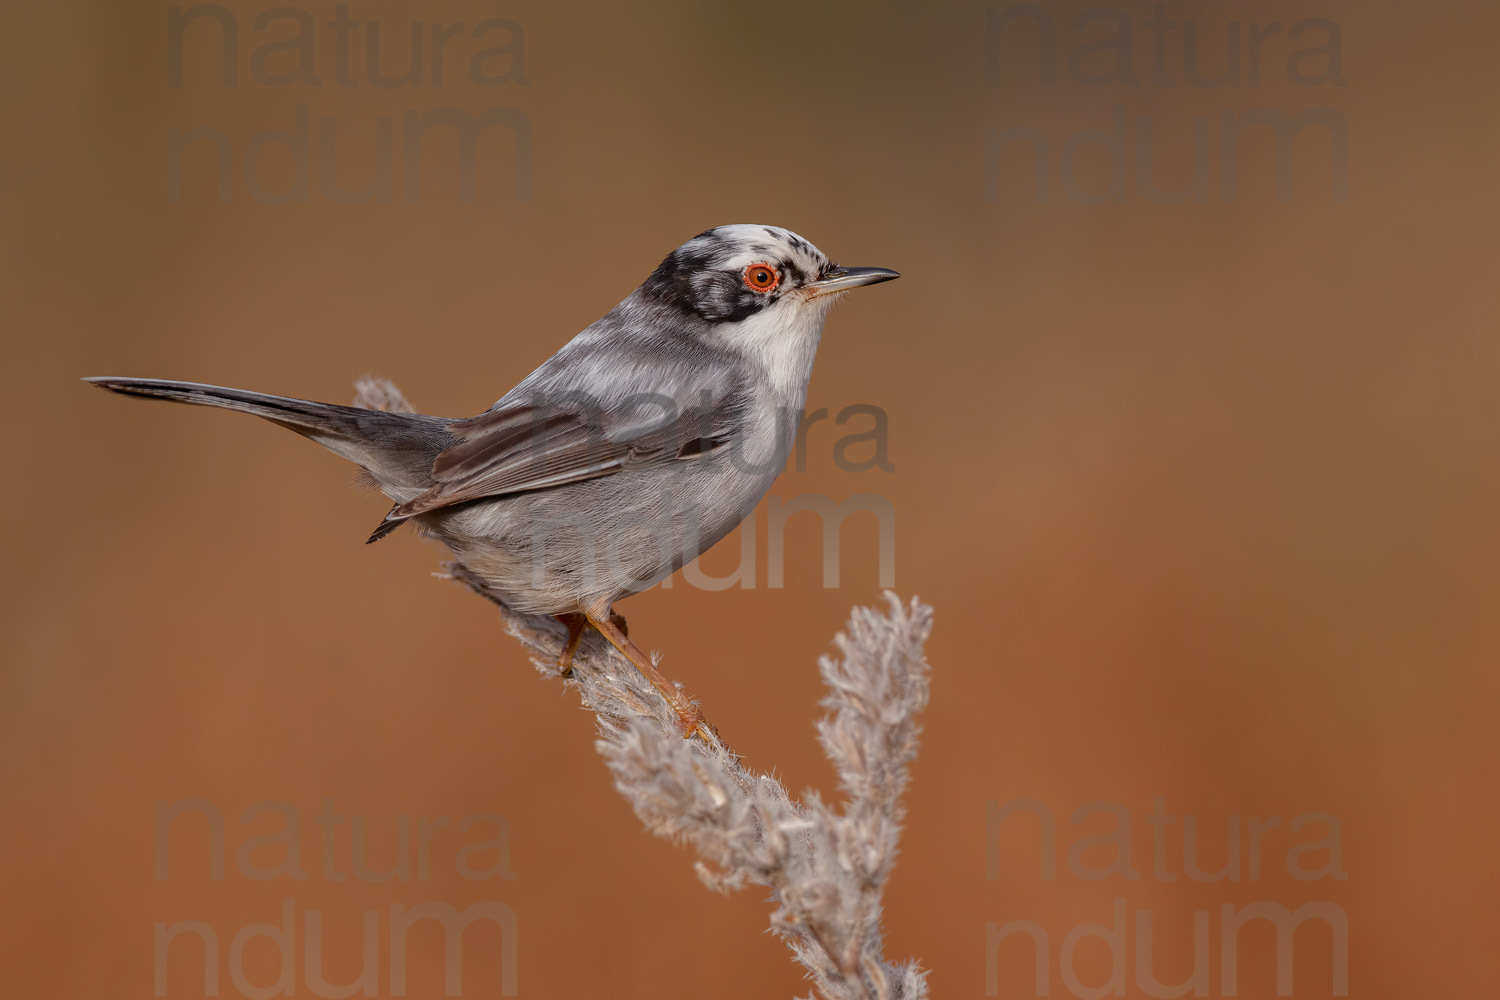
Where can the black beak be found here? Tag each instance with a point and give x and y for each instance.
(844, 278)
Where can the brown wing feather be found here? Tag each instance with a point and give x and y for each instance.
(520, 448)
(511, 450)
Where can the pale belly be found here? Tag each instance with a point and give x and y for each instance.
(585, 545)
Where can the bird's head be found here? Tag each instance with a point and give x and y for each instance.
(734, 274)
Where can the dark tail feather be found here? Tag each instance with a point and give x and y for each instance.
(385, 527)
(301, 415)
(396, 447)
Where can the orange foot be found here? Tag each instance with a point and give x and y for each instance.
(576, 623)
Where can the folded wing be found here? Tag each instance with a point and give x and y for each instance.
(521, 447)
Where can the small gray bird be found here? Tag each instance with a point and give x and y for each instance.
(629, 452)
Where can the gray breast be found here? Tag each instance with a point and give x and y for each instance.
(606, 538)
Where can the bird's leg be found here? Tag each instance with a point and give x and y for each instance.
(691, 719)
(576, 623)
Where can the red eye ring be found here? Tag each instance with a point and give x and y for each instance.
(762, 277)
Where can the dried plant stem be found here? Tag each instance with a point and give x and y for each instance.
(826, 868)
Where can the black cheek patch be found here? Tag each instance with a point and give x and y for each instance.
(721, 297)
(691, 280)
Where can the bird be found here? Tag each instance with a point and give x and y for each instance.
(644, 440)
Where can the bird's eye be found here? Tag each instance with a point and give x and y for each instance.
(762, 277)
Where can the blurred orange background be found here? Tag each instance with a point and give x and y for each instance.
(1203, 493)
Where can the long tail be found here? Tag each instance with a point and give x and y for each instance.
(397, 448)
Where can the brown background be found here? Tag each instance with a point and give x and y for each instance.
(1204, 494)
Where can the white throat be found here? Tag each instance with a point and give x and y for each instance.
(784, 343)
